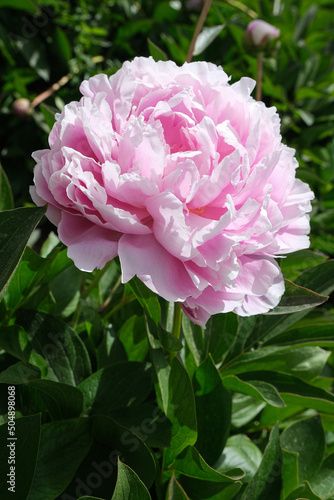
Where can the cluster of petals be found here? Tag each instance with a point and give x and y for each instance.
(184, 177)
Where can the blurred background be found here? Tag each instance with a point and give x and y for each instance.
(54, 45)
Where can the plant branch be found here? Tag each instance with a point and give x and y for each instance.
(198, 29)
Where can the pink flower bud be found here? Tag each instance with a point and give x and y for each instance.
(21, 107)
(259, 35)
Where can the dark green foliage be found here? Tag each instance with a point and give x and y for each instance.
(110, 405)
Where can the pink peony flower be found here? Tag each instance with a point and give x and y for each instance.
(184, 177)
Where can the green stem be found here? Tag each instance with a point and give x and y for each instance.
(177, 319)
(198, 28)
(95, 281)
(259, 76)
(123, 302)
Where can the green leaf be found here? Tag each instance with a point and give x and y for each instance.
(262, 479)
(129, 486)
(28, 5)
(211, 398)
(305, 437)
(162, 370)
(303, 492)
(62, 401)
(128, 446)
(298, 261)
(6, 195)
(256, 388)
(304, 362)
(133, 337)
(320, 335)
(197, 489)
(270, 415)
(206, 37)
(147, 299)
(29, 273)
(194, 336)
(148, 422)
(323, 482)
(15, 341)
(221, 334)
(19, 373)
(155, 51)
(294, 391)
(62, 349)
(240, 452)
(63, 446)
(180, 410)
(245, 408)
(16, 227)
(118, 385)
(24, 449)
(319, 278)
(175, 490)
(190, 463)
(297, 298)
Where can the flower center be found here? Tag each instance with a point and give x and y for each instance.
(197, 211)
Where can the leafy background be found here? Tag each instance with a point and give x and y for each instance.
(109, 404)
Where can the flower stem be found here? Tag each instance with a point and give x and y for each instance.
(198, 29)
(259, 76)
(177, 319)
(95, 281)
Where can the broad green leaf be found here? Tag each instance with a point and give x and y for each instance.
(270, 415)
(62, 401)
(297, 298)
(64, 292)
(240, 452)
(319, 278)
(195, 339)
(15, 341)
(256, 388)
(245, 408)
(64, 352)
(129, 486)
(198, 489)
(181, 411)
(304, 362)
(221, 334)
(34, 52)
(6, 195)
(155, 51)
(118, 385)
(305, 437)
(290, 473)
(175, 490)
(19, 373)
(206, 37)
(190, 463)
(303, 492)
(133, 337)
(28, 5)
(212, 399)
(238, 336)
(29, 273)
(316, 335)
(63, 446)
(16, 227)
(298, 261)
(267, 471)
(128, 446)
(323, 482)
(148, 422)
(161, 370)
(147, 299)
(294, 391)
